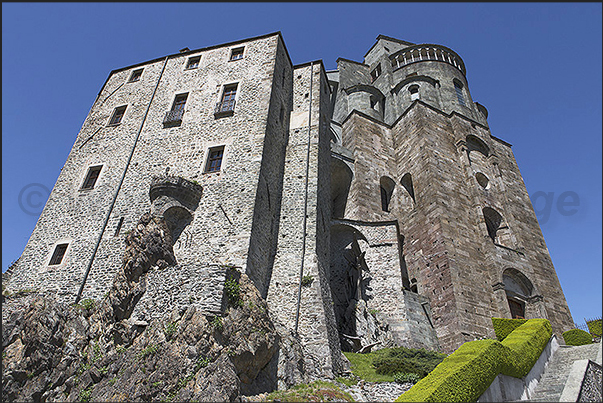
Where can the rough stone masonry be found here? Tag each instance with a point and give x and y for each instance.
(370, 205)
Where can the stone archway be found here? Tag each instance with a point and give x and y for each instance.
(347, 274)
(341, 180)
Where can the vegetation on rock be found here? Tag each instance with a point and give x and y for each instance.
(382, 365)
(317, 391)
(57, 352)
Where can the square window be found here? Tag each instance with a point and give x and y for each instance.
(193, 62)
(214, 159)
(59, 253)
(118, 114)
(135, 76)
(91, 177)
(237, 53)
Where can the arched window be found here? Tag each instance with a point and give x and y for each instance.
(493, 220)
(341, 179)
(458, 88)
(387, 188)
(414, 92)
(482, 180)
(498, 230)
(474, 143)
(413, 285)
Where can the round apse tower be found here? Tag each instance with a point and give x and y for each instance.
(435, 75)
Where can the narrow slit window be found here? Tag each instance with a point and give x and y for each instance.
(386, 186)
(91, 177)
(58, 254)
(376, 72)
(119, 225)
(214, 159)
(118, 115)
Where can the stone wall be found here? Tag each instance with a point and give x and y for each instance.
(306, 167)
(222, 224)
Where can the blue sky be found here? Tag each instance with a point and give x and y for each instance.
(535, 66)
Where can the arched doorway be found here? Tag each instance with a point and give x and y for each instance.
(519, 291)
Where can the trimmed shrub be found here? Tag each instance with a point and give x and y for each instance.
(462, 377)
(594, 327)
(526, 344)
(577, 337)
(468, 372)
(502, 326)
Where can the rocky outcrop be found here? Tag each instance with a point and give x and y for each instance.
(93, 351)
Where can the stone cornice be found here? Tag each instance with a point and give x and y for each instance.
(352, 61)
(388, 38)
(364, 88)
(407, 80)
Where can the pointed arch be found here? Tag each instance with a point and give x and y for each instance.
(341, 180)
(493, 222)
(406, 183)
(474, 143)
(387, 186)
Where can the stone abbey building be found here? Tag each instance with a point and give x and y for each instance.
(369, 204)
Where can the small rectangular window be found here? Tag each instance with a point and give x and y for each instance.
(91, 177)
(179, 102)
(214, 159)
(376, 72)
(117, 116)
(135, 76)
(59, 253)
(193, 62)
(174, 116)
(237, 53)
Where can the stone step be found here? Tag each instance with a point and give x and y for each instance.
(553, 380)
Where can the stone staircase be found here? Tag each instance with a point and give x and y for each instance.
(554, 378)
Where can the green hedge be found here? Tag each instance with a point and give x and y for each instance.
(577, 337)
(468, 372)
(594, 327)
(503, 327)
(526, 344)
